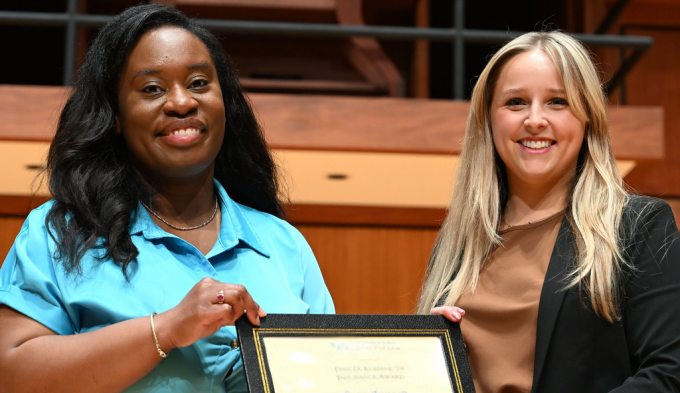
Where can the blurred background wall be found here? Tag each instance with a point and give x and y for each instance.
(367, 130)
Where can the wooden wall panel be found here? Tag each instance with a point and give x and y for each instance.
(656, 81)
(9, 229)
(376, 270)
(365, 215)
(651, 12)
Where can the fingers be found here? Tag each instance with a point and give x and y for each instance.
(454, 314)
(251, 308)
(207, 307)
(226, 314)
(234, 300)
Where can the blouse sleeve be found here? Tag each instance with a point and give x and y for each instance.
(315, 292)
(28, 282)
(652, 302)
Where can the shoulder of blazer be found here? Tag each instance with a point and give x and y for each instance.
(637, 213)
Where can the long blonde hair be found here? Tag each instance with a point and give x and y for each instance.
(470, 232)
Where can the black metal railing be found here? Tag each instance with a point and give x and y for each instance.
(457, 35)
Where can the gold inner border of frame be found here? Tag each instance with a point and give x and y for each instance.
(355, 332)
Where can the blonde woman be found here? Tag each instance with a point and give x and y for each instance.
(561, 280)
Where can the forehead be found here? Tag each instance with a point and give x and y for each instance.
(532, 68)
(167, 47)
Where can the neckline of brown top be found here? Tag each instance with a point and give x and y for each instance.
(532, 224)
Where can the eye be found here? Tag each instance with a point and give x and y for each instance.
(558, 101)
(152, 89)
(199, 83)
(514, 102)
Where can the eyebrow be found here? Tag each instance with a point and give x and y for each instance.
(200, 66)
(515, 91)
(512, 91)
(152, 71)
(148, 71)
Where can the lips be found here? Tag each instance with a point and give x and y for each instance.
(187, 131)
(534, 144)
(182, 133)
(183, 127)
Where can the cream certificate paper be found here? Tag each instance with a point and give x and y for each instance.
(347, 364)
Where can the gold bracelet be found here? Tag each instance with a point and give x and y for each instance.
(155, 338)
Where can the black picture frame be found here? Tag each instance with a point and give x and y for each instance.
(254, 352)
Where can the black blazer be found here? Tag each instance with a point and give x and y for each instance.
(578, 351)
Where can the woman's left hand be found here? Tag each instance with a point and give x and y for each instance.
(453, 314)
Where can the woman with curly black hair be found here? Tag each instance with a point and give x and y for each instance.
(165, 210)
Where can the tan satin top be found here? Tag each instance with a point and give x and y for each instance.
(499, 325)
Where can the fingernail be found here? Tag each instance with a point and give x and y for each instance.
(456, 315)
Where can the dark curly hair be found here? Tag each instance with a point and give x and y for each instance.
(91, 176)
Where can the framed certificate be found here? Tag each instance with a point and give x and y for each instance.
(354, 354)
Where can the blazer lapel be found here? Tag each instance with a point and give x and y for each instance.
(552, 295)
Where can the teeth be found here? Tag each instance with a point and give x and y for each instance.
(536, 145)
(188, 131)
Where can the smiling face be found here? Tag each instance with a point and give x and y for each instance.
(171, 113)
(535, 132)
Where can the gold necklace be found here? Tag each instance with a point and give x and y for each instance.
(183, 228)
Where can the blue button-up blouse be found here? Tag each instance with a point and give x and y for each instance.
(265, 254)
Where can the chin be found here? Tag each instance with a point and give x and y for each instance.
(184, 172)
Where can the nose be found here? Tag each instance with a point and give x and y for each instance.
(179, 102)
(536, 120)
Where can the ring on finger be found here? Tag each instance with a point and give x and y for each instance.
(220, 297)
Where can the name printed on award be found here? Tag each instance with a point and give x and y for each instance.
(350, 364)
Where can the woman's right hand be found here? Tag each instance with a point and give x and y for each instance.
(453, 314)
(114, 357)
(200, 314)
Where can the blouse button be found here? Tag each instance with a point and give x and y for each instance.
(234, 344)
